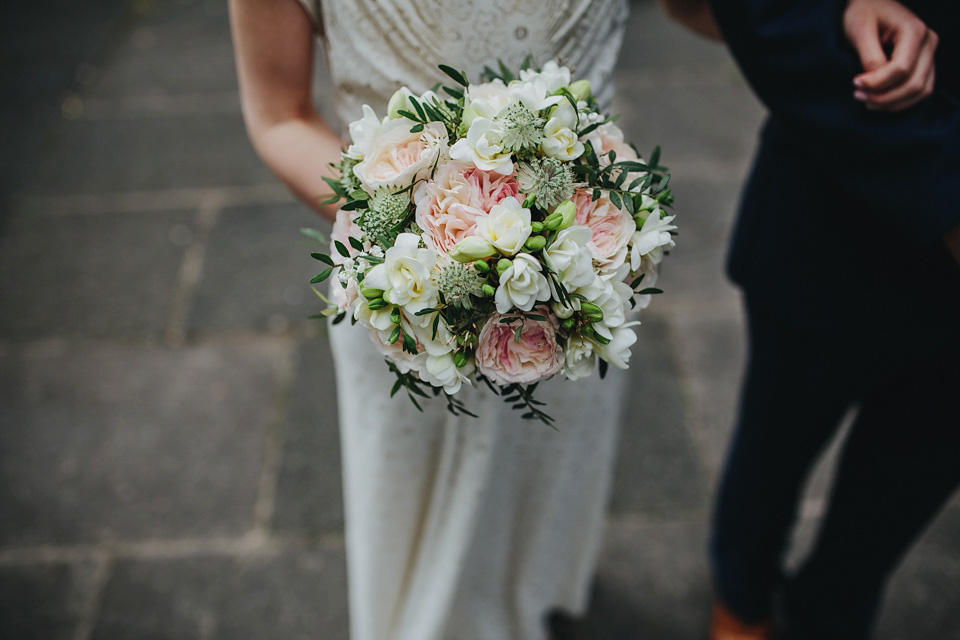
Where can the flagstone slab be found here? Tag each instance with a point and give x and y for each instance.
(257, 270)
(288, 595)
(114, 442)
(309, 491)
(44, 601)
(658, 470)
(148, 153)
(91, 275)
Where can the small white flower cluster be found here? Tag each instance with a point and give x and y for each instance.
(501, 232)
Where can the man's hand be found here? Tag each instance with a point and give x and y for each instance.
(905, 77)
(952, 239)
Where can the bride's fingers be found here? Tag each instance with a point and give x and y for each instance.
(915, 88)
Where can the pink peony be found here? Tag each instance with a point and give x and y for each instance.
(505, 361)
(449, 205)
(612, 228)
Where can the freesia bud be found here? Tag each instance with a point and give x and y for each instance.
(370, 293)
(553, 221)
(568, 211)
(472, 248)
(376, 304)
(536, 227)
(535, 243)
(460, 359)
(568, 324)
(580, 89)
(397, 102)
(502, 265)
(395, 335)
(592, 311)
(481, 266)
(488, 290)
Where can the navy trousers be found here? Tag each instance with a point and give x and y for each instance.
(899, 465)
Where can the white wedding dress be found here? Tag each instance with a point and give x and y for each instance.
(463, 528)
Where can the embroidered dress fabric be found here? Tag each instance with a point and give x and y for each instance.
(460, 528)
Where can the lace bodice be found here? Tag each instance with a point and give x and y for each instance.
(374, 46)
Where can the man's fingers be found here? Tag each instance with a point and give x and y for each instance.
(910, 36)
(915, 88)
(863, 32)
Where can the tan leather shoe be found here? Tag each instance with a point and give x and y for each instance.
(724, 625)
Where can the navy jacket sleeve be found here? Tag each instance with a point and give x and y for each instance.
(903, 167)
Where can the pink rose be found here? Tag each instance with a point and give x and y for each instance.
(398, 158)
(449, 205)
(608, 137)
(505, 361)
(343, 228)
(612, 228)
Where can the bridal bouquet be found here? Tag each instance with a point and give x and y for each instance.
(500, 233)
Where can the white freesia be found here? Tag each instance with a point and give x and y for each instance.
(651, 239)
(405, 274)
(570, 259)
(522, 285)
(483, 147)
(397, 157)
(610, 294)
(617, 351)
(552, 75)
(442, 371)
(379, 319)
(579, 358)
(362, 133)
(507, 227)
(533, 94)
(560, 137)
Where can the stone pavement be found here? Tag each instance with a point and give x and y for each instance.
(168, 452)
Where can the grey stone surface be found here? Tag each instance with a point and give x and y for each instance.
(652, 583)
(44, 601)
(157, 152)
(298, 594)
(111, 442)
(170, 38)
(258, 268)
(89, 275)
(309, 491)
(658, 471)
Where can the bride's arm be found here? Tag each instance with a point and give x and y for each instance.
(273, 44)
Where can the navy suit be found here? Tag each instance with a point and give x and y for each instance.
(852, 298)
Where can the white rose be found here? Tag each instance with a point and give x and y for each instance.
(651, 239)
(522, 285)
(579, 358)
(569, 257)
(560, 138)
(398, 158)
(362, 133)
(483, 147)
(552, 75)
(507, 226)
(617, 351)
(405, 274)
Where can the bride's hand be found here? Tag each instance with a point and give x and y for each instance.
(905, 77)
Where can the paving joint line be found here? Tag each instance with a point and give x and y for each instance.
(151, 201)
(191, 270)
(273, 446)
(251, 543)
(94, 604)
